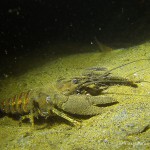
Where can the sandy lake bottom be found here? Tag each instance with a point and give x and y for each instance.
(124, 125)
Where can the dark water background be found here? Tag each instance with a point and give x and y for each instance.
(28, 25)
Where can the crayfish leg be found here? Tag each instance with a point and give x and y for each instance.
(29, 116)
(65, 116)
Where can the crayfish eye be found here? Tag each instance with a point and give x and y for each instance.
(75, 81)
(48, 98)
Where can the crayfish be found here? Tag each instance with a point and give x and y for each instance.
(79, 96)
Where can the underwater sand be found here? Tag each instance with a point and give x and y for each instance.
(123, 126)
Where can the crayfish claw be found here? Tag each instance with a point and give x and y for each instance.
(86, 104)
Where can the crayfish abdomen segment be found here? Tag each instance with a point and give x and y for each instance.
(27, 105)
(17, 105)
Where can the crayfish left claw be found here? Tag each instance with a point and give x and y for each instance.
(85, 104)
